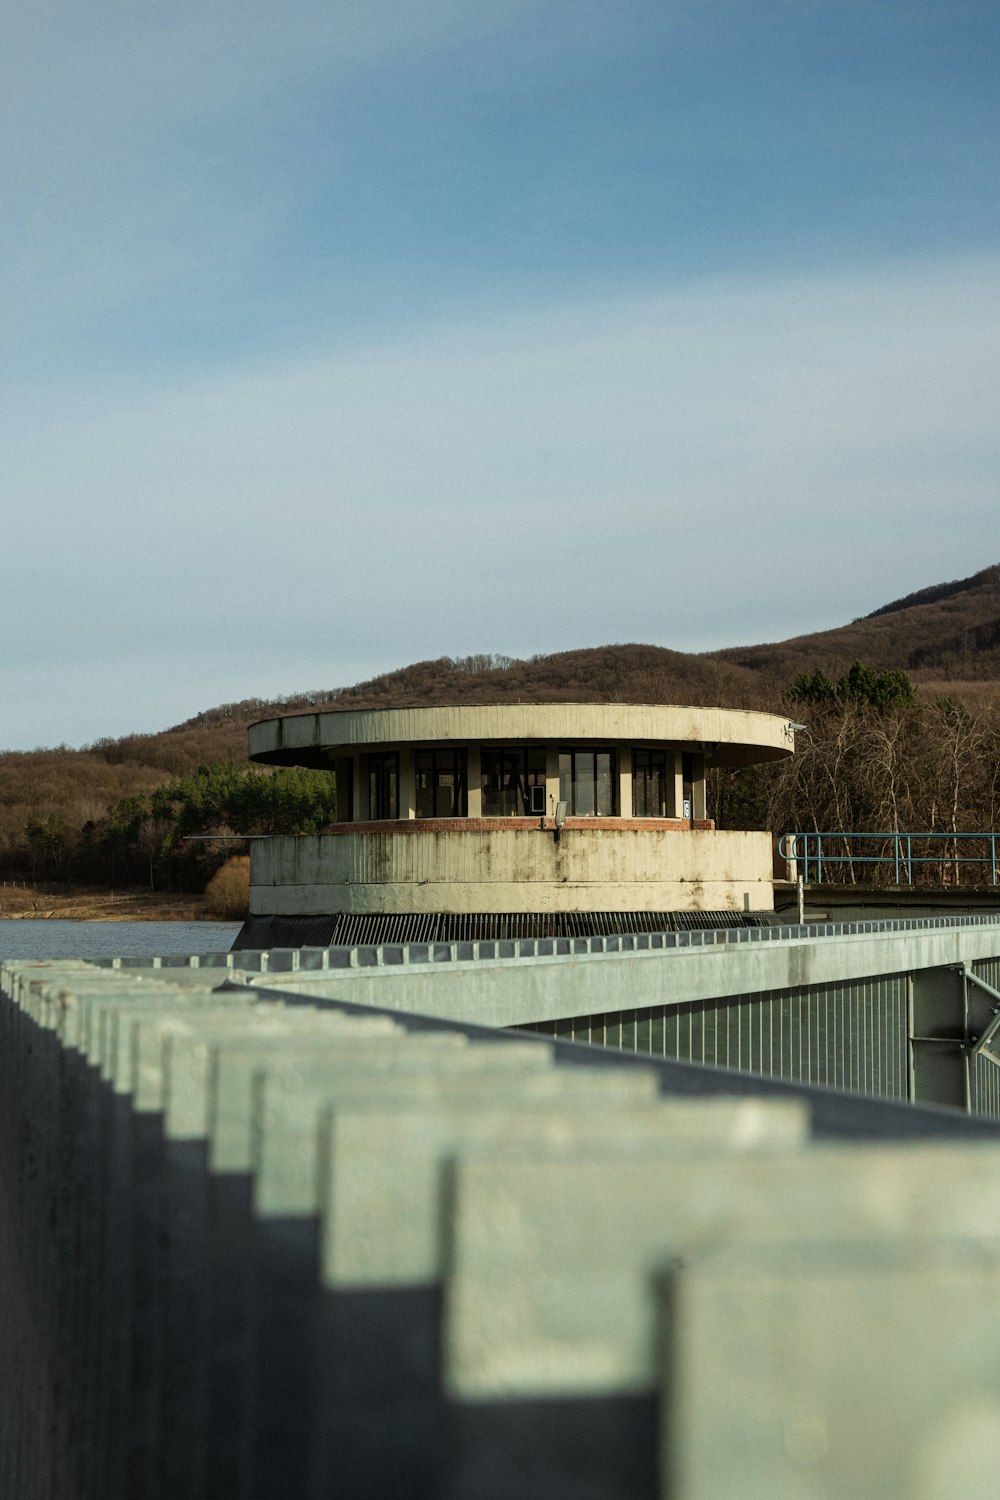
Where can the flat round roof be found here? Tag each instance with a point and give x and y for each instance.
(728, 737)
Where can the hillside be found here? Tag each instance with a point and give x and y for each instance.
(946, 636)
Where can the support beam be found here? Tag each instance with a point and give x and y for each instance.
(939, 1034)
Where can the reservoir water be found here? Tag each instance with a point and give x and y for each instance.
(52, 937)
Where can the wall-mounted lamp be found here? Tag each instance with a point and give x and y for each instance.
(561, 808)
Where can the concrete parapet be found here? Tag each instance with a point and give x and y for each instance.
(256, 1243)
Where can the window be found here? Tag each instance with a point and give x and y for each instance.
(649, 783)
(587, 782)
(513, 782)
(383, 785)
(343, 768)
(440, 783)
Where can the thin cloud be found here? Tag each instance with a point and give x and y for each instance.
(740, 459)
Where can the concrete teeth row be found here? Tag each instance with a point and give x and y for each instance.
(258, 1249)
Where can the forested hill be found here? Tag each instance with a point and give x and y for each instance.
(72, 809)
(940, 635)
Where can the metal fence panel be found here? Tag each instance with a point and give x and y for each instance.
(850, 1036)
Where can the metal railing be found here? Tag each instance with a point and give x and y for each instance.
(819, 855)
(393, 955)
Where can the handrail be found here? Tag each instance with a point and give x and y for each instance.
(808, 850)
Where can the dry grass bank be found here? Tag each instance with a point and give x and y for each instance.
(100, 906)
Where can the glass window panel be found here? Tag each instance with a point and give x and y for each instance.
(423, 770)
(655, 791)
(585, 789)
(501, 770)
(566, 781)
(649, 783)
(345, 789)
(460, 804)
(383, 786)
(605, 784)
(444, 794)
(490, 764)
(640, 766)
(507, 776)
(535, 762)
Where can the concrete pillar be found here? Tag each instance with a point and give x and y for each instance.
(475, 774)
(407, 783)
(362, 794)
(343, 766)
(551, 779)
(699, 808)
(625, 782)
(677, 803)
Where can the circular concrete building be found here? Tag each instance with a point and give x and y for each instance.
(521, 819)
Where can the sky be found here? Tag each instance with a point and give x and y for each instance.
(337, 336)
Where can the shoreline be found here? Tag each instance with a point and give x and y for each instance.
(30, 903)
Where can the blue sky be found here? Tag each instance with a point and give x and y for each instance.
(342, 336)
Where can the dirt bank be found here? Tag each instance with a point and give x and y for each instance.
(100, 906)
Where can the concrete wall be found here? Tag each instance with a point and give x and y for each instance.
(732, 737)
(525, 869)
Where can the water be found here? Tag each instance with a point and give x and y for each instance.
(28, 937)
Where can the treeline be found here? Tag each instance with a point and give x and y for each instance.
(872, 756)
(876, 761)
(144, 838)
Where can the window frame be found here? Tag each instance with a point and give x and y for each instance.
(443, 760)
(383, 786)
(661, 757)
(576, 753)
(517, 778)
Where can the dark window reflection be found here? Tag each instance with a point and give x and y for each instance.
(649, 783)
(383, 785)
(441, 783)
(513, 782)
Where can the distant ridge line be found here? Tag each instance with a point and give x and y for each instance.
(934, 593)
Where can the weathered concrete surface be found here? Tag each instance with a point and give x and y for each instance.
(524, 1229)
(729, 736)
(511, 870)
(227, 1218)
(385, 1166)
(853, 1372)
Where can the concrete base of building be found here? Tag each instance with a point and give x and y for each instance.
(465, 867)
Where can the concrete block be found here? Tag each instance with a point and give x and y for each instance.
(552, 1262)
(235, 1066)
(833, 1373)
(383, 1244)
(289, 1101)
(382, 1209)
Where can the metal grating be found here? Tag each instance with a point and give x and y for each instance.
(850, 1036)
(349, 929)
(985, 1087)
